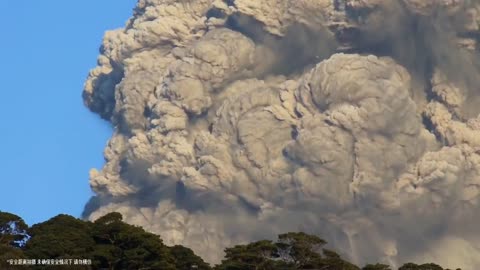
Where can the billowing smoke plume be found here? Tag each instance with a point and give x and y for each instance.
(239, 119)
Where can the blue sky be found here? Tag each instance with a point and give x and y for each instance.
(48, 139)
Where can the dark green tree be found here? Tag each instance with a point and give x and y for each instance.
(119, 245)
(185, 259)
(306, 252)
(13, 230)
(291, 251)
(300, 248)
(108, 242)
(61, 237)
(376, 266)
(332, 260)
(426, 266)
(260, 255)
(12, 237)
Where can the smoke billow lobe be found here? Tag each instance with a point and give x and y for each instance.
(353, 119)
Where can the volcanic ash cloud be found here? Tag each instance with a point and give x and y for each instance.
(353, 119)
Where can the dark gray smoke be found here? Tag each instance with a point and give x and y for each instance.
(352, 119)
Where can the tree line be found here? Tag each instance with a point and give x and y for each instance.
(111, 244)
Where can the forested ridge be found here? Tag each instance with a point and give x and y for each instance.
(110, 243)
